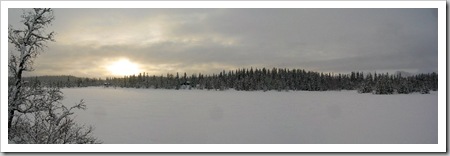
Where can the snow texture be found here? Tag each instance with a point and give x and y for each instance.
(147, 116)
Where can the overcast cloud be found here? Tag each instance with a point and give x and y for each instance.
(211, 40)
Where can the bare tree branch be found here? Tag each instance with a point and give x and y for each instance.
(36, 114)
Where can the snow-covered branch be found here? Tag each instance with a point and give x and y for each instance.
(36, 114)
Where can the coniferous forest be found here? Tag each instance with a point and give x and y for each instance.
(258, 80)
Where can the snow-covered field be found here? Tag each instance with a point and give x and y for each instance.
(126, 116)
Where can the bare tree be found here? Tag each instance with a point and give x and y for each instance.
(36, 114)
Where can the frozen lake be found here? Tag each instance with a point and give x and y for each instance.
(126, 116)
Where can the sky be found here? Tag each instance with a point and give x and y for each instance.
(113, 42)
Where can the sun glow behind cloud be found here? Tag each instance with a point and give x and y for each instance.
(123, 67)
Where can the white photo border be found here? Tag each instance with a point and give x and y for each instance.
(442, 55)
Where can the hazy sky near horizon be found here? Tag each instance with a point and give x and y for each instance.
(90, 42)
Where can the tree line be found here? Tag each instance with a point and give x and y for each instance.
(280, 79)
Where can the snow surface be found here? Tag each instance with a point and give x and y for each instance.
(127, 116)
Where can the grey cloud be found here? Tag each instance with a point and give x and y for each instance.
(387, 62)
(331, 40)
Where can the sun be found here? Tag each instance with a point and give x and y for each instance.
(123, 67)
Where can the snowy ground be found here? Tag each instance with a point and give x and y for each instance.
(125, 116)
